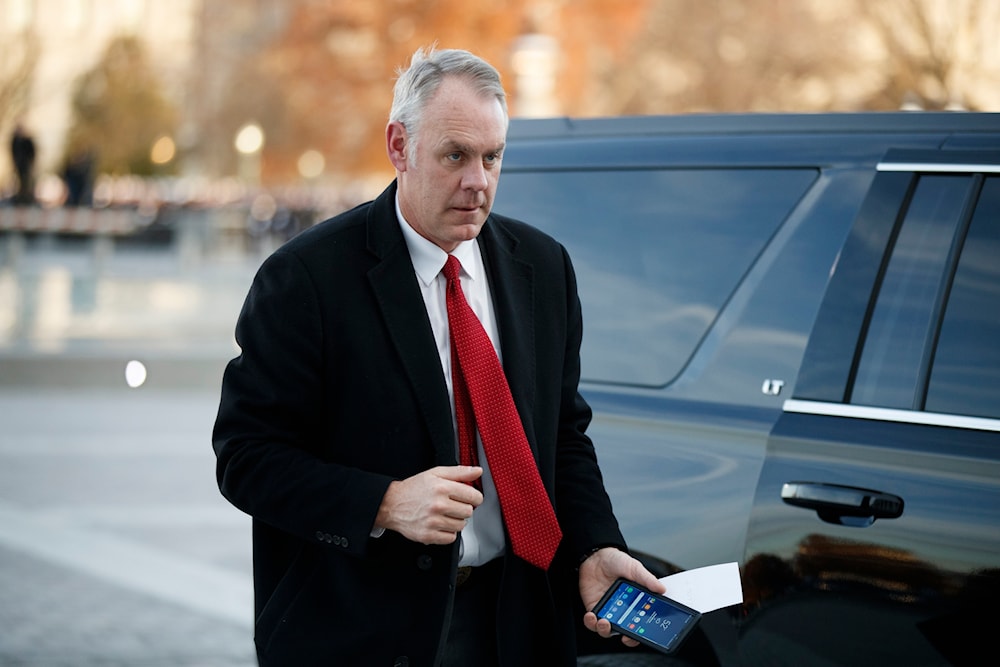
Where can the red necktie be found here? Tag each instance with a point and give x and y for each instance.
(482, 398)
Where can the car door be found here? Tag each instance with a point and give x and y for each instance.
(875, 533)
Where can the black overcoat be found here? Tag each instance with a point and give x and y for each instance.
(338, 390)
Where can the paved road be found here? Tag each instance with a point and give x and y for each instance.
(116, 548)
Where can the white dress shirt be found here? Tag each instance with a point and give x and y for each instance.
(483, 537)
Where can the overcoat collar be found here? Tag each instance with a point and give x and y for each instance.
(398, 296)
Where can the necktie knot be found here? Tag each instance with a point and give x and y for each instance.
(452, 268)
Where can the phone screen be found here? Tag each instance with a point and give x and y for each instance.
(647, 617)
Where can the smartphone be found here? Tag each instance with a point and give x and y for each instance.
(647, 617)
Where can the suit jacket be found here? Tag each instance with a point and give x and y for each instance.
(339, 390)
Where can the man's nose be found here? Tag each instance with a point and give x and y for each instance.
(474, 177)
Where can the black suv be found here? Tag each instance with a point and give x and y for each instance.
(792, 349)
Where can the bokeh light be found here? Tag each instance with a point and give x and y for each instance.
(163, 151)
(311, 164)
(135, 374)
(249, 139)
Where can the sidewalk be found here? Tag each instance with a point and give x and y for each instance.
(54, 616)
(116, 548)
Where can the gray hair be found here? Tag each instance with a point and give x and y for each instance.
(416, 85)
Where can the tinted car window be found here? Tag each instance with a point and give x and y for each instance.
(898, 336)
(966, 374)
(657, 253)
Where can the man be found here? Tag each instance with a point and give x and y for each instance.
(22, 152)
(338, 429)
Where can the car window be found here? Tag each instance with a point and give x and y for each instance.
(893, 359)
(965, 378)
(657, 253)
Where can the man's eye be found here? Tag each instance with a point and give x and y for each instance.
(454, 157)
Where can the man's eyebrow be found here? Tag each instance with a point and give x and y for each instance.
(458, 147)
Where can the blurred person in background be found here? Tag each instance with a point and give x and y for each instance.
(383, 530)
(22, 153)
(78, 176)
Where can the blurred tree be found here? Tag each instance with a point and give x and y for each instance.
(328, 77)
(325, 83)
(772, 55)
(597, 41)
(225, 89)
(317, 74)
(18, 60)
(119, 111)
(938, 54)
(725, 56)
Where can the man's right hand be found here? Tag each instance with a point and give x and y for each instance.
(431, 507)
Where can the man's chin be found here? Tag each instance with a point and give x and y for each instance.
(469, 232)
(468, 225)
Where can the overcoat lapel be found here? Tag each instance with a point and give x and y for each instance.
(398, 297)
(513, 289)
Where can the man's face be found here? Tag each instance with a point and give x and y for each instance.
(446, 191)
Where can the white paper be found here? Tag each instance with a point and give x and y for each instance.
(706, 589)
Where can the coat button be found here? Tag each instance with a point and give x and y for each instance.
(425, 562)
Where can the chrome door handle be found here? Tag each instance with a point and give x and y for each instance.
(844, 505)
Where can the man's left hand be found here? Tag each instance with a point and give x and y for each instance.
(598, 572)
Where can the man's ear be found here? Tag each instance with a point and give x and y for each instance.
(396, 143)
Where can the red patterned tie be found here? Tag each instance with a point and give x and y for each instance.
(481, 385)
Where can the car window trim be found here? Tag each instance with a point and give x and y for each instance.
(970, 168)
(940, 161)
(824, 408)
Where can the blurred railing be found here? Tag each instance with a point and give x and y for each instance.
(181, 209)
(35, 219)
(154, 271)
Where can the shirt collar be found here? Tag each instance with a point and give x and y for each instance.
(428, 259)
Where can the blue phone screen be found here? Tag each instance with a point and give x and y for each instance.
(642, 615)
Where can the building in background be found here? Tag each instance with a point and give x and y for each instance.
(314, 77)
